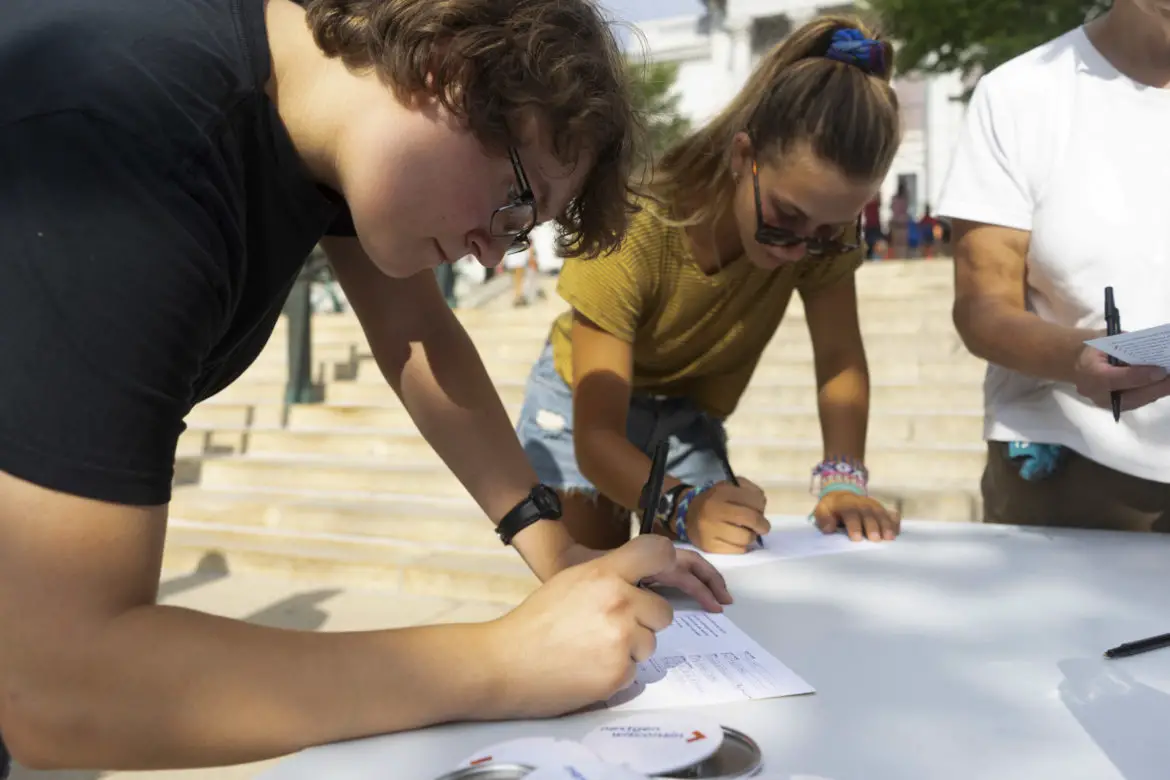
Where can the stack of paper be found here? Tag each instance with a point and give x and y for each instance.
(704, 658)
(1148, 347)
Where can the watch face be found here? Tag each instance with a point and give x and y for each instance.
(665, 504)
(547, 501)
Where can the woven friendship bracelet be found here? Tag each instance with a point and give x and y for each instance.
(684, 503)
(839, 474)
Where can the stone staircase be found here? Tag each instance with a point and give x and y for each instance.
(347, 490)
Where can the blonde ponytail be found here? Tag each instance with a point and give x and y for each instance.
(847, 114)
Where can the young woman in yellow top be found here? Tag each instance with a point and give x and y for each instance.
(665, 331)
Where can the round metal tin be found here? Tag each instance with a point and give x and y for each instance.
(490, 772)
(738, 757)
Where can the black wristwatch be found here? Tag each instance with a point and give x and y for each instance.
(542, 503)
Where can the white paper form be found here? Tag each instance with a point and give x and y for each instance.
(704, 658)
(790, 540)
(1148, 347)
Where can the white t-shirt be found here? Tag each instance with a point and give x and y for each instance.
(1059, 143)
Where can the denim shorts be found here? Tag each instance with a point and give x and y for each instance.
(545, 429)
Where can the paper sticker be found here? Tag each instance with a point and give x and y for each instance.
(532, 751)
(586, 770)
(656, 743)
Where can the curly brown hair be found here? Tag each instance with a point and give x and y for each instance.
(491, 62)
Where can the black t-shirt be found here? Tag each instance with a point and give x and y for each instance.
(153, 217)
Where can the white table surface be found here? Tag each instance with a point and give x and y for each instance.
(959, 652)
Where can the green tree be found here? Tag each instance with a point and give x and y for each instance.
(975, 36)
(657, 100)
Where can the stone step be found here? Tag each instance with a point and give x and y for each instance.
(787, 344)
(451, 522)
(268, 370)
(885, 428)
(368, 479)
(964, 397)
(890, 426)
(420, 570)
(337, 347)
(400, 440)
(212, 441)
(888, 318)
(958, 370)
(751, 455)
(885, 318)
(253, 393)
(447, 549)
(218, 414)
(937, 347)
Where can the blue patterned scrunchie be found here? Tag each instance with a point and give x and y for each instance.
(853, 48)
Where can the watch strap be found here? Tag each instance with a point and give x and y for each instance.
(540, 504)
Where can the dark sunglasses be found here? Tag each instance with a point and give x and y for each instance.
(770, 235)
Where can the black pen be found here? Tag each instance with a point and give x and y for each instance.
(1139, 646)
(1113, 328)
(652, 490)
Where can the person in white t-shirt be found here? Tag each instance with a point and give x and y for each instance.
(1059, 187)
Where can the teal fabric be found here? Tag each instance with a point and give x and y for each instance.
(1037, 461)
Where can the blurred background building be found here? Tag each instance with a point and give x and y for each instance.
(716, 43)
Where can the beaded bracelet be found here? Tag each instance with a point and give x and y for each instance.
(832, 475)
(684, 503)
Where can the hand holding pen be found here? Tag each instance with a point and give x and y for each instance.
(1111, 383)
(691, 574)
(726, 518)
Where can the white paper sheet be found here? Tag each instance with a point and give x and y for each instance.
(1148, 347)
(791, 539)
(704, 658)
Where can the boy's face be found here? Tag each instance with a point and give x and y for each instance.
(422, 190)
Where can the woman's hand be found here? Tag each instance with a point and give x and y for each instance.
(861, 517)
(727, 519)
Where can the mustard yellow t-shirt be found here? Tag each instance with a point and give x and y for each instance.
(693, 335)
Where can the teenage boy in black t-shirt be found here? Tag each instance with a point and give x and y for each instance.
(164, 171)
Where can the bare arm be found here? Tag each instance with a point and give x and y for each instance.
(725, 519)
(603, 367)
(96, 675)
(990, 312)
(842, 373)
(427, 357)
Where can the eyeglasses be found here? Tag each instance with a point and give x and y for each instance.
(516, 220)
(770, 235)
